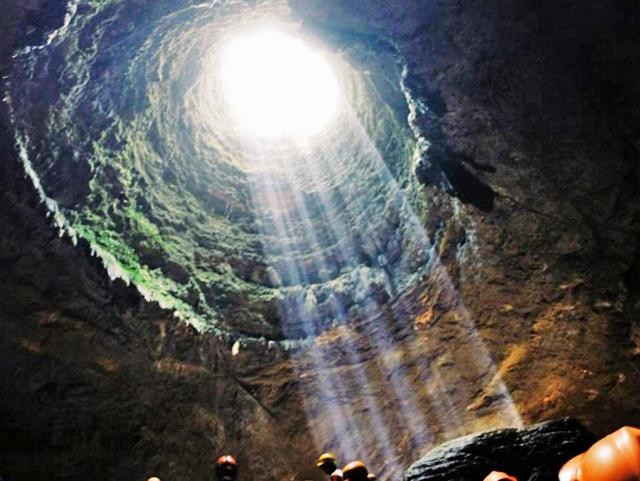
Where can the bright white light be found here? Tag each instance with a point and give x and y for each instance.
(275, 85)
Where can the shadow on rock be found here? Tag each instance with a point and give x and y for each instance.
(447, 172)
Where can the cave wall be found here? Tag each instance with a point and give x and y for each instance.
(96, 382)
(538, 102)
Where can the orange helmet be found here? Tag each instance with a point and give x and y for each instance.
(225, 460)
(226, 468)
(571, 469)
(615, 457)
(355, 471)
(499, 476)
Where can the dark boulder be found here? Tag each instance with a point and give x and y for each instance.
(533, 453)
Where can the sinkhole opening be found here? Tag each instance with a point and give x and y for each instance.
(240, 171)
(275, 85)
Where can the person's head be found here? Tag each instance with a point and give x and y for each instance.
(355, 471)
(500, 476)
(327, 463)
(226, 468)
(337, 475)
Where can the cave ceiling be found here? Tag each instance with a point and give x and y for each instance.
(134, 151)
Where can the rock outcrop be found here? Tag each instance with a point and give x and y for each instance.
(534, 453)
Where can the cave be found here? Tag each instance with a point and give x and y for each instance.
(275, 228)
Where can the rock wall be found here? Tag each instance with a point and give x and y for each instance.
(537, 102)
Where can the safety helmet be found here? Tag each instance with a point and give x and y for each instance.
(226, 459)
(571, 471)
(226, 467)
(500, 476)
(153, 478)
(355, 471)
(616, 457)
(372, 477)
(326, 458)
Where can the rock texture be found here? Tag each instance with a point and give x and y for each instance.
(533, 122)
(534, 453)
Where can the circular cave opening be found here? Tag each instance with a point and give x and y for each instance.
(275, 85)
(225, 161)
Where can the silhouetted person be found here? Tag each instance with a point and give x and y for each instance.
(226, 468)
(355, 471)
(327, 464)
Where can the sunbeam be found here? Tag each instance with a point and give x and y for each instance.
(310, 241)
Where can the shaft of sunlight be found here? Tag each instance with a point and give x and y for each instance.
(311, 243)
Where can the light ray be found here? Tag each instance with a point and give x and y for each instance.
(307, 223)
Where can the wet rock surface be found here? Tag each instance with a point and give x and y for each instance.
(538, 101)
(534, 453)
